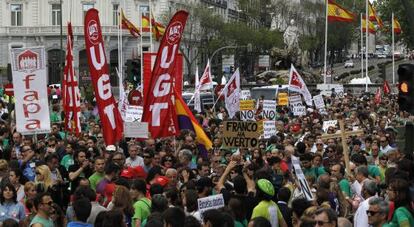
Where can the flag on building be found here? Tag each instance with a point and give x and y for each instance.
(373, 16)
(397, 26)
(231, 94)
(371, 27)
(386, 87)
(126, 24)
(186, 120)
(70, 90)
(197, 99)
(297, 84)
(158, 29)
(338, 13)
(206, 82)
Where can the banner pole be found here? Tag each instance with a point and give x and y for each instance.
(362, 48)
(366, 45)
(393, 48)
(326, 43)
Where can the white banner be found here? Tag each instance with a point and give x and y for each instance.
(319, 103)
(269, 129)
(133, 113)
(29, 79)
(299, 110)
(231, 94)
(136, 130)
(295, 100)
(269, 109)
(304, 187)
(210, 202)
(327, 124)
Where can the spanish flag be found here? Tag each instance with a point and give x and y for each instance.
(338, 13)
(397, 26)
(158, 29)
(126, 24)
(374, 17)
(187, 121)
(371, 27)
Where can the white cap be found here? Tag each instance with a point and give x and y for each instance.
(110, 148)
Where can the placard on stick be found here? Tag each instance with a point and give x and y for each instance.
(238, 134)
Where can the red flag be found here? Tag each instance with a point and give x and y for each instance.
(386, 87)
(159, 109)
(70, 90)
(377, 99)
(111, 120)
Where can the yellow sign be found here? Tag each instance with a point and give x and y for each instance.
(246, 105)
(282, 99)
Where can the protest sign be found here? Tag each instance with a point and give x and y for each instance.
(247, 110)
(319, 103)
(282, 99)
(295, 100)
(133, 113)
(136, 130)
(241, 134)
(269, 129)
(210, 202)
(303, 184)
(269, 109)
(299, 110)
(245, 95)
(327, 124)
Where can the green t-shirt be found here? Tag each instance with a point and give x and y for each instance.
(95, 178)
(345, 187)
(44, 222)
(142, 209)
(55, 117)
(268, 210)
(314, 171)
(373, 171)
(240, 224)
(67, 161)
(401, 218)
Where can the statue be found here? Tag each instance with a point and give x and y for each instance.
(290, 37)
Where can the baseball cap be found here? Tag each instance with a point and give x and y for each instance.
(162, 180)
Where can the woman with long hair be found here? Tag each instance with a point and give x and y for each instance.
(43, 179)
(399, 193)
(122, 201)
(18, 180)
(9, 207)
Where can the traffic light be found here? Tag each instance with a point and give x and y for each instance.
(231, 69)
(406, 87)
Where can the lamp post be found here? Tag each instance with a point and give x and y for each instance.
(61, 46)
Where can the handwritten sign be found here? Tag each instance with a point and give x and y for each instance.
(238, 134)
(301, 179)
(269, 129)
(295, 100)
(299, 110)
(136, 130)
(133, 113)
(210, 202)
(269, 109)
(247, 110)
(327, 124)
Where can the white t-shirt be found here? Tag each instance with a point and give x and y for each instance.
(138, 161)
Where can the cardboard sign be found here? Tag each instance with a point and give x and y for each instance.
(327, 124)
(247, 110)
(295, 100)
(319, 103)
(303, 184)
(269, 109)
(210, 202)
(136, 130)
(238, 134)
(282, 99)
(299, 110)
(245, 95)
(269, 129)
(133, 113)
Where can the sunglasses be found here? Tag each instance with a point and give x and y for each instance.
(372, 213)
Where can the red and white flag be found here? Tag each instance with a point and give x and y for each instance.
(206, 82)
(377, 98)
(111, 121)
(297, 84)
(159, 109)
(231, 94)
(70, 90)
(386, 87)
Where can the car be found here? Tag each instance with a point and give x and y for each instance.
(349, 64)
(382, 55)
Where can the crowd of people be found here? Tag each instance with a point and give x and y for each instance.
(59, 179)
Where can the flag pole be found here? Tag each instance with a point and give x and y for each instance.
(140, 50)
(326, 42)
(393, 48)
(150, 24)
(119, 51)
(366, 44)
(362, 48)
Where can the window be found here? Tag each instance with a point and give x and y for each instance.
(85, 8)
(144, 10)
(56, 14)
(16, 14)
(115, 17)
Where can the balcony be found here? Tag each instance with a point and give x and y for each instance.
(53, 31)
